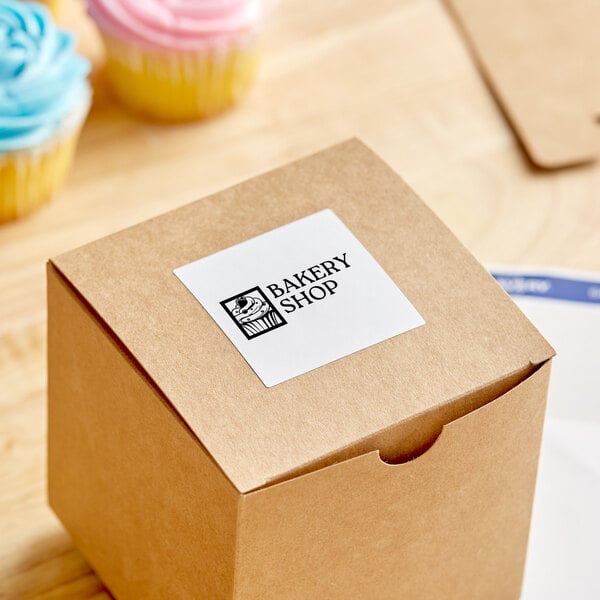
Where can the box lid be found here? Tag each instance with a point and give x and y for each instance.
(474, 334)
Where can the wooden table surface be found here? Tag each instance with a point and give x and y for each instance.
(394, 73)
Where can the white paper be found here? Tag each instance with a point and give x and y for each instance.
(564, 548)
(299, 297)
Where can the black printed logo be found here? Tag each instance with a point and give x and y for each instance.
(253, 313)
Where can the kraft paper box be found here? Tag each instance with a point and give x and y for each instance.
(301, 387)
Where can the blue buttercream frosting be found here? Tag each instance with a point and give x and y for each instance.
(42, 80)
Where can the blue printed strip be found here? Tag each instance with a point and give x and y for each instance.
(542, 286)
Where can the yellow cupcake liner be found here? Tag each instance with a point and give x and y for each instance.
(29, 178)
(54, 6)
(177, 85)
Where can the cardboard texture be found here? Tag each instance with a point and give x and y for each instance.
(539, 57)
(180, 475)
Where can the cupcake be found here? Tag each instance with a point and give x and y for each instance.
(255, 315)
(44, 99)
(178, 60)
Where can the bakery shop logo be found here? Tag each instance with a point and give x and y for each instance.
(253, 313)
(256, 312)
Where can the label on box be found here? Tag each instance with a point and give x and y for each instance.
(299, 297)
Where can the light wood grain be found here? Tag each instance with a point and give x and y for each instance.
(394, 73)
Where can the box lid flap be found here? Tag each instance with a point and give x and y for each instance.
(474, 334)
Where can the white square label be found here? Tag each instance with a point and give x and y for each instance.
(299, 297)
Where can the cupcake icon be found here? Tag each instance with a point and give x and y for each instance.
(253, 313)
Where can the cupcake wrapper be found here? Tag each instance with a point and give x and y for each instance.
(29, 177)
(269, 321)
(181, 85)
(54, 6)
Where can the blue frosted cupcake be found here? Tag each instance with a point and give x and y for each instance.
(44, 99)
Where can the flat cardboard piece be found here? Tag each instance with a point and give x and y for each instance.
(474, 334)
(540, 59)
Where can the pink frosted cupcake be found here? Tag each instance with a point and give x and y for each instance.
(179, 59)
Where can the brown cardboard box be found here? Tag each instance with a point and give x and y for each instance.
(180, 475)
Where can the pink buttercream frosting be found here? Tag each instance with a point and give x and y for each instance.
(176, 24)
